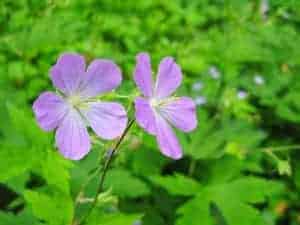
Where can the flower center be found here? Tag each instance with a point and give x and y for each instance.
(74, 100)
(154, 102)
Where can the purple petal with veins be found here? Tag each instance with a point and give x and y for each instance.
(71, 113)
(156, 113)
(72, 138)
(68, 72)
(167, 140)
(181, 113)
(49, 110)
(169, 78)
(142, 74)
(144, 115)
(107, 119)
(101, 76)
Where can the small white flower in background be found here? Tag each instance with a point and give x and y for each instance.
(214, 72)
(286, 15)
(264, 8)
(137, 222)
(200, 100)
(197, 86)
(242, 94)
(258, 79)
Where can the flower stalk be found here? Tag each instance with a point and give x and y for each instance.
(105, 170)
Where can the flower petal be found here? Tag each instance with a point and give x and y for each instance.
(67, 73)
(102, 76)
(144, 115)
(107, 119)
(72, 137)
(168, 78)
(167, 140)
(180, 112)
(49, 109)
(143, 74)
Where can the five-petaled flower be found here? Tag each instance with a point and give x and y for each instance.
(75, 107)
(158, 109)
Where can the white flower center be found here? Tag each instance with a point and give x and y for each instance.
(74, 100)
(154, 102)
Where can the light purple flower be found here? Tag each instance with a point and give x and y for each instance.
(242, 94)
(158, 110)
(258, 79)
(264, 8)
(75, 108)
(200, 100)
(137, 222)
(214, 72)
(197, 86)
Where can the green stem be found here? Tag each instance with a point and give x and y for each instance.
(271, 154)
(105, 169)
(281, 148)
(93, 172)
(192, 167)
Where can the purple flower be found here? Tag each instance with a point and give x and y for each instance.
(214, 72)
(242, 94)
(137, 222)
(75, 108)
(158, 110)
(200, 100)
(197, 86)
(258, 79)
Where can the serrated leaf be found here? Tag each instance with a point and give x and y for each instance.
(117, 218)
(20, 159)
(230, 198)
(55, 209)
(124, 184)
(24, 218)
(177, 184)
(147, 162)
(55, 170)
(188, 215)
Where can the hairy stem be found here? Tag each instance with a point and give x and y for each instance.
(105, 169)
(91, 175)
(281, 148)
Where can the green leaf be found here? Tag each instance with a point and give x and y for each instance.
(100, 218)
(24, 125)
(55, 170)
(231, 197)
(55, 209)
(24, 218)
(224, 169)
(124, 184)
(24, 145)
(147, 162)
(195, 212)
(177, 184)
(20, 159)
(210, 140)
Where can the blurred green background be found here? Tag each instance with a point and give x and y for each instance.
(241, 64)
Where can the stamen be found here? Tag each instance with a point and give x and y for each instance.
(159, 102)
(74, 100)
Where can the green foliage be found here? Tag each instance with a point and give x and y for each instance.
(53, 209)
(232, 173)
(178, 184)
(234, 199)
(125, 184)
(112, 219)
(25, 218)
